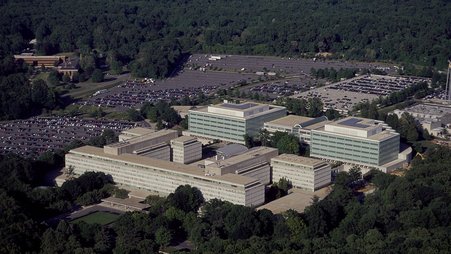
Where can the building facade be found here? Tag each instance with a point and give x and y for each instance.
(230, 122)
(305, 173)
(358, 141)
(163, 177)
(186, 150)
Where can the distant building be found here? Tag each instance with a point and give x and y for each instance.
(230, 122)
(305, 173)
(300, 126)
(358, 141)
(186, 150)
(38, 61)
(431, 117)
(66, 65)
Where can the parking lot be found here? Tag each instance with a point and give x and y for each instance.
(201, 74)
(279, 65)
(344, 95)
(282, 87)
(34, 136)
(133, 94)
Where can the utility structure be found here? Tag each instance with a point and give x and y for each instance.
(448, 85)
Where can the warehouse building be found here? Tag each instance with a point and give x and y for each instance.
(304, 173)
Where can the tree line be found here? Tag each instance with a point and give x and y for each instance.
(151, 37)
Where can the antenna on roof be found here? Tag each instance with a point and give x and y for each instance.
(448, 85)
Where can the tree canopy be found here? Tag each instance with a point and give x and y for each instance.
(152, 36)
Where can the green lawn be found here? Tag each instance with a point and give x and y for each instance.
(102, 218)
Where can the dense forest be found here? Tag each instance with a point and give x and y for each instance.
(152, 36)
(408, 214)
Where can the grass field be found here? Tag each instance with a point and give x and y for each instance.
(102, 218)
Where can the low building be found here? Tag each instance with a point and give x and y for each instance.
(66, 65)
(163, 177)
(186, 150)
(39, 61)
(304, 173)
(358, 141)
(300, 126)
(252, 163)
(432, 117)
(231, 122)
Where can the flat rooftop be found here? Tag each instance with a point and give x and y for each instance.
(300, 160)
(241, 106)
(231, 150)
(316, 126)
(138, 131)
(290, 120)
(142, 138)
(427, 109)
(298, 200)
(163, 165)
(356, 123)
(242, 111)
(251, 153)
(183, 139)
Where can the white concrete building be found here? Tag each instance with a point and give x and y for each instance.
(186, 150)
(362, 142)
(163, 177)
(230, 122)
(303, 172)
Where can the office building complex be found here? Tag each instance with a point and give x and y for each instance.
(252, 163)
(163, 177)
(300, 126)
(358, 141)
(230, 122)
(186, 150)
(302, 172)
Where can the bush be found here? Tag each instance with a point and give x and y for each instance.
(97, 76)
